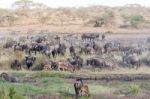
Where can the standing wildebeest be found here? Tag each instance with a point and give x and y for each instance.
(16, 65)
(90, 36)
(80, 88)
(54, 53)
(103, 37)
(61, 49)
(72, 50)
(107, 47)
(38, 39)
(111, 47)
(97, 49)
(137, 51)
(100, 63)
(29, 61)
(132, 60)
(9, 78)
(86, 50)
(148, 59)
(10, 44)
(94, 62)
(76, 61)
(17, 47)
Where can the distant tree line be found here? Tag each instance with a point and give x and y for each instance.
(26, 12)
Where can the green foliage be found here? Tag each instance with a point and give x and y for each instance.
(136, 20)
(134, 89)
(10, 93)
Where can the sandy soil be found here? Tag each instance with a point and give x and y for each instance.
(69, 29)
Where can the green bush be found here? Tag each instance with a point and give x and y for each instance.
(136, 20)
(134, 89)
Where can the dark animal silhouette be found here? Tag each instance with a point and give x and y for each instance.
(30, 61)
(16, 65)
(9, 78)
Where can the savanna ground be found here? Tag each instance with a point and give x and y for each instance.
(59, 85)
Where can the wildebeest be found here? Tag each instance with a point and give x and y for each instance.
(148, 59)
(9, 78)
(107, 47)
(111, 47)
(54, 53)
(132, 60)
(90, 36)
(10, 44)
(29, 61)
(103, 37)
(137, 51)
(86, 49)
(98, 49)
(38, 39)
(72, 50)
(16, 65)
(61, 49)
(100, 63)
(76, 61)
(17, 47)
(96, 62)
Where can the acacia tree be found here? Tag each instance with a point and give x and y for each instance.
(23, 6)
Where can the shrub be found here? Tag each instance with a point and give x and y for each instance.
(40, 59)
(134, 89)
(98, 22)
(136, 20)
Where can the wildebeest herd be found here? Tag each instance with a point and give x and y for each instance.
(89, 49)
(79, 51)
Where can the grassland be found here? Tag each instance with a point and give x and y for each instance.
(53, 84)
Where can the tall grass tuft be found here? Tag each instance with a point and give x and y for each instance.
(134, 89)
